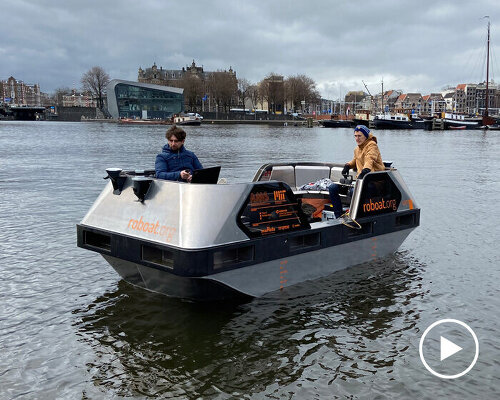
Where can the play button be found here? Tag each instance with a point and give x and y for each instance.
(449, 348)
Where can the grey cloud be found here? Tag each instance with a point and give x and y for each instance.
(412, 45)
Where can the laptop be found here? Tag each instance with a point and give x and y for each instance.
(206, 175)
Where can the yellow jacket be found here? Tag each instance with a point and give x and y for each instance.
(367, 155)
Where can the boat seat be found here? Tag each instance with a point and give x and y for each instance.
(307, 174)
(285, 174)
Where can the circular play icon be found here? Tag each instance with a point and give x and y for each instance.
(449, 348)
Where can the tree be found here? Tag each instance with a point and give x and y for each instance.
(272, 90)
(300, 88)
(223, 87)
(57, 97)
(193, 90)
(95, 81)
(243, 88)
(254, 95)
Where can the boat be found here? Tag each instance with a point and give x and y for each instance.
(187, 119)
(362, 117)
(137, 121)
(217, 241)
(337, 123)
(397, 121)
(458, 121)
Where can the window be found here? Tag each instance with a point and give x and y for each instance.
(405, 220)
(365, 229)
(160, 104)
(157, 256)
(98, 240)
(231, 257)
(304, 241)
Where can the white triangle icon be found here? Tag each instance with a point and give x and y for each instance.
(448, 348)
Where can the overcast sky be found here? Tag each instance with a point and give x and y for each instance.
(417, 46)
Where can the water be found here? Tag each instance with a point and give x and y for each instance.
(70, 328)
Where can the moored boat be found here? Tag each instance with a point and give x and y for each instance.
(458, 121)
(397, 121)
(187, 119)
(220, 240)
(133, 121)
(337, 123)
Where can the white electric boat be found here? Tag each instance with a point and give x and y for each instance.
(213, 241)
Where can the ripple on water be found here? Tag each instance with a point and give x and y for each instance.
(70, 328)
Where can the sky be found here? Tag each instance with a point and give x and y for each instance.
(415, 46)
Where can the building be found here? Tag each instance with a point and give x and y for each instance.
(433, 103)
(127, 99)
(16, 92)
(387, 101)
(471, 99)
(170, 77)
(76, 99)
(460, 98)
(353, 99)
(481, 98)
(409, 103)
(272, 89)
(198, 91)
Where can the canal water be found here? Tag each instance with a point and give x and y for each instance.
(71, 328)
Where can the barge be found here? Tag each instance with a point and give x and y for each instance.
(215, 241)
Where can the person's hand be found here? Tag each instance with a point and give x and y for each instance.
(185, 175)
(363, 172)
(345, 170)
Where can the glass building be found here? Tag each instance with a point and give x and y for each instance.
(127, 99)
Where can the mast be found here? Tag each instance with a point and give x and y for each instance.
(487, 71)
(383, 112)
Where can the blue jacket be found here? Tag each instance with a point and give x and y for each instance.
(169, 163)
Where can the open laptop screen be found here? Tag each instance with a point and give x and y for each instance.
(206, 175)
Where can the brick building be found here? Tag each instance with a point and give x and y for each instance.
(76, 99)
(16, 92)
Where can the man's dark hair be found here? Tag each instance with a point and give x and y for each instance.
(174, 130)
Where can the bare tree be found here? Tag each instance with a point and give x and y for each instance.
(193, 90)
(57, 97)
(300, 88)
(243, 87)
(223, 87)
(95, 81)
(254, 95)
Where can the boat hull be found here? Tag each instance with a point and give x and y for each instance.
(143, 122)
(333, 123)
(191, 123)
(453, 124)
(259, 279)
(388, 124)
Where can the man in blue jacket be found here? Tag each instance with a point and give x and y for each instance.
(175, 163)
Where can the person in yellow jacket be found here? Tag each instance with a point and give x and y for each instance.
(367, 158)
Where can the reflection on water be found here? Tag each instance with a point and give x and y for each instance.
(313, 335)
